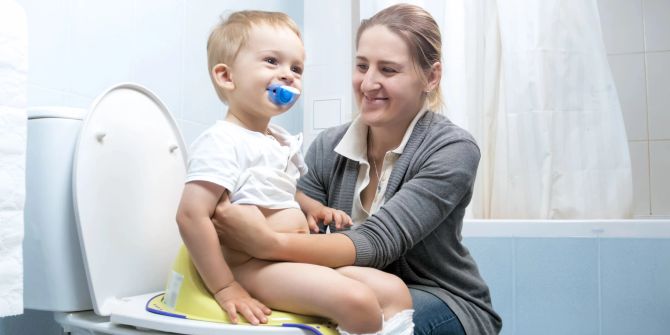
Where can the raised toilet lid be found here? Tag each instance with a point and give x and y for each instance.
(128, 174)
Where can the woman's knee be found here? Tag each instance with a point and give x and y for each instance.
(432, 316)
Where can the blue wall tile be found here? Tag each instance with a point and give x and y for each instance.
(495, 257)
(635, 286)
(556, 286)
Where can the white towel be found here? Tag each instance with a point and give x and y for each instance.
(13, 123)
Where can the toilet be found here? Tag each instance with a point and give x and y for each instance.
(102, 189)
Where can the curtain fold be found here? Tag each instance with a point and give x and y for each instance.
(545, 111)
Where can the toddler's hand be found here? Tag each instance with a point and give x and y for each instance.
(328, 216)
(234, 298)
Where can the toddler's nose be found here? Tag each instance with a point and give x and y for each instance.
(287, 76)
(286, 79)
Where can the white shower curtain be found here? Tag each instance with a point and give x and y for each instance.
(548, 117)
(531, 81)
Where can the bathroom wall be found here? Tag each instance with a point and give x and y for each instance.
(79, 48)
(637, 37)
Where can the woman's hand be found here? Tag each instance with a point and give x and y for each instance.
(235, 299)
(328, 216)
(243, 228)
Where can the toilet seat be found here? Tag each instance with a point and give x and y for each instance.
(128, 173)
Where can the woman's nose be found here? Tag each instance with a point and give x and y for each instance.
(370, 82)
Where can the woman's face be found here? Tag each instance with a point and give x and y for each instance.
(388, 89)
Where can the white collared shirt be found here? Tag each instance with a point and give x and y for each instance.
(354, 146)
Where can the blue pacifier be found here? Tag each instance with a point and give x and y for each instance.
(282, 95)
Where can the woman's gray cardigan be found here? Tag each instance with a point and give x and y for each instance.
(416, 234)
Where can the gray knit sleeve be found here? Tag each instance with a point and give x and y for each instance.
(439, 179)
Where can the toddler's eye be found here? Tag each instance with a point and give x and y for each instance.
(271, 60)
(296, 69)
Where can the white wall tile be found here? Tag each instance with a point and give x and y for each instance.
(190, 130)
(629, 76)
(49, 47)
(42, 96)
(102, 45)
(658, 90)
(330, 22)
(660, 177)
(77, 100)
(622, 25)
(158, 62)
(326, 113)
(657, 24)
(201, 105)
(329, 61)
(639, 156)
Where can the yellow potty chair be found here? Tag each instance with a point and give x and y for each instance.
(187, 297)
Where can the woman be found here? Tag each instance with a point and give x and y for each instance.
(403, 173)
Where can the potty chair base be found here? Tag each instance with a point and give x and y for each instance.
(186, 297)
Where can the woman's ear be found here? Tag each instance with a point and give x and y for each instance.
(434, 76)
(222, 76)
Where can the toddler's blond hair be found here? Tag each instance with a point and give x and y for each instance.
(231, 34)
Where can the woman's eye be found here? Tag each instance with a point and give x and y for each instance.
(271, 60)
(389, 70)
(362, 67)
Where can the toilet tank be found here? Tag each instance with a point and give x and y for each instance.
(54, 274)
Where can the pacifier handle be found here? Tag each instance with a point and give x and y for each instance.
(282, 95)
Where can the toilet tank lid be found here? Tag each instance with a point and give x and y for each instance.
(56, 112)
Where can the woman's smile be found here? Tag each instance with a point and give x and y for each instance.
(374, 102)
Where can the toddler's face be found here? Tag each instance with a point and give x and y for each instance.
(271, 55)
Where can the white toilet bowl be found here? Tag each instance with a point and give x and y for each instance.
(103, 186)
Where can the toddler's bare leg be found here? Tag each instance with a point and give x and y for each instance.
(312, 290)
(391, 292)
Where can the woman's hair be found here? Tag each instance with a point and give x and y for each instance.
(421, 33)
(232, 32)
